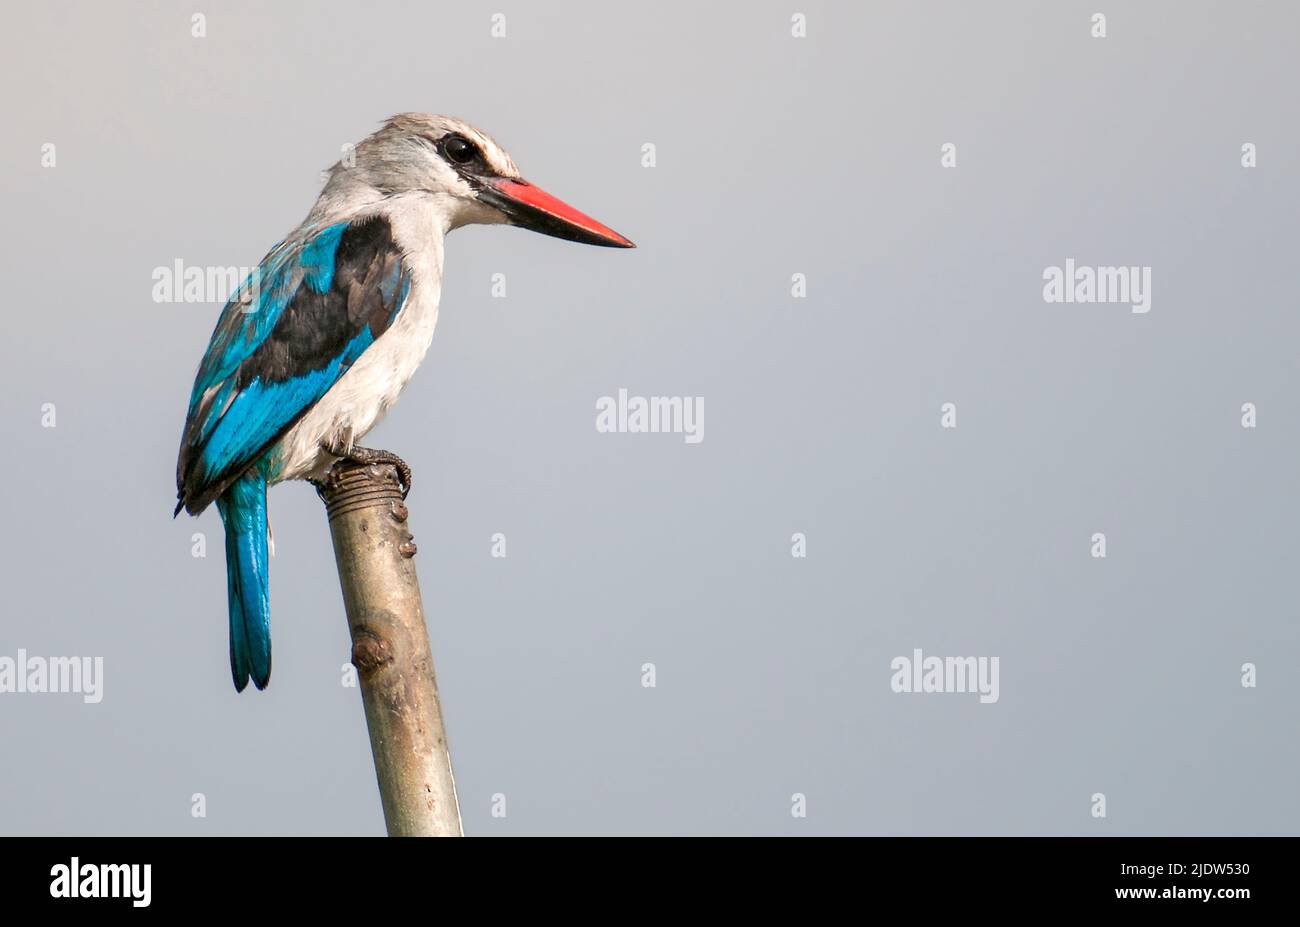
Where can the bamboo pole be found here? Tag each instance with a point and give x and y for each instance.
(390, 649)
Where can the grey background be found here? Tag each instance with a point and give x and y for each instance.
(775, 156)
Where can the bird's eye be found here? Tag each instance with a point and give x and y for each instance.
(460, 150)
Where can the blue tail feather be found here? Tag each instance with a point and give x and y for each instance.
(243, 510)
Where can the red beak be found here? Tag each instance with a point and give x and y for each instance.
(533, 208)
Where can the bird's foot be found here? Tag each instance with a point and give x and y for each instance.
(369, 455)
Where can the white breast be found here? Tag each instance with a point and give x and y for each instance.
(361, 397)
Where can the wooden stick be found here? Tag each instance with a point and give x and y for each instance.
(390, 649)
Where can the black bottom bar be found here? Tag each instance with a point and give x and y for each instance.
(250, 877)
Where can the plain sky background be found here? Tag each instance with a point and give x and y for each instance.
(775, 156)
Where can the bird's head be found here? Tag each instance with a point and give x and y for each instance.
(469, 176)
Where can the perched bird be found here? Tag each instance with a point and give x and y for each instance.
(314, 347)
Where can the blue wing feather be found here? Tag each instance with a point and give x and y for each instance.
(300, 321)
(260, 411)
(248, 318)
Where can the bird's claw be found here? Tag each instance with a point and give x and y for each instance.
(369, 455)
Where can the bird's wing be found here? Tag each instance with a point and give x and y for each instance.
(311, 308)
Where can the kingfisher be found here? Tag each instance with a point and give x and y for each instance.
(316, 344)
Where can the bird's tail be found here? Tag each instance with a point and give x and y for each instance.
(243, 510)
